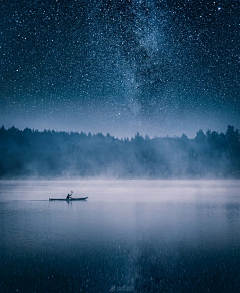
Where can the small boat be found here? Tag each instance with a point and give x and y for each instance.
(69, 199)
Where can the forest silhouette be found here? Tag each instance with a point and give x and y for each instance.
(56, 154)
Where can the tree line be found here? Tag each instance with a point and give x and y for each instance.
(49, 153)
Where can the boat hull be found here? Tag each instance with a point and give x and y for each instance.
(70, 199)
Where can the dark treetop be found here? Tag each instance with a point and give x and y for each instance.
(55, 154)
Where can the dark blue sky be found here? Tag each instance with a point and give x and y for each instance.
(157, 67)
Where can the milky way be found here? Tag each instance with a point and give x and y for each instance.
(157, 67)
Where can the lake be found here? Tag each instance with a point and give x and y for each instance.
(129, 236)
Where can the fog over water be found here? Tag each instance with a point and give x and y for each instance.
(51, 154)
(132, 235)
(135, 105)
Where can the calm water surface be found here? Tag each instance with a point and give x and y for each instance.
(129, 236)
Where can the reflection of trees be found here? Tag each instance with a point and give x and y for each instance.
(30, 152)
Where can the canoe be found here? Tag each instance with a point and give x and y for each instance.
(70, 199)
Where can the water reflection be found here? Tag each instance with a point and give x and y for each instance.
(152, 236)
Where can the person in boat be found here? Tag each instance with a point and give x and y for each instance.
(69, 196)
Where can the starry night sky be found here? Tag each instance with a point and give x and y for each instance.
(120, 66)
